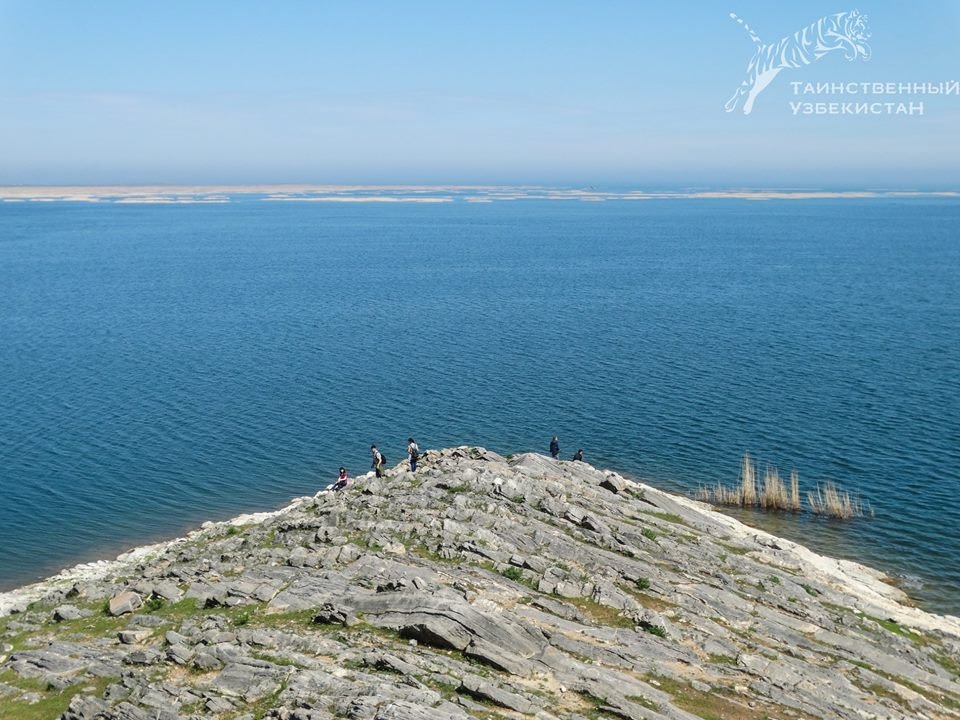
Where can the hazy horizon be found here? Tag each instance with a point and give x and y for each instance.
(617, 94)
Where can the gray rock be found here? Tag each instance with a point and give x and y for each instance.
(402, 710)
(248, 682)
(491, 654)
(70, 612)
(167, 590)
(179, 654)
(206, 662)
(133, 637)
(613, 483)
(454, 611)
(144, 656)
(84, 707)
(480, 688)
(33, 663)
(217, 705)
(125, 602)
(171, 637)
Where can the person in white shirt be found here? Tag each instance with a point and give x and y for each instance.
(413, 454)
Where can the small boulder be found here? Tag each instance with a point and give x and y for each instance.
(172, 637)
(167, 590)
(206, 662)
(69, 612)
(133, 637)
(85, 706)
(614, 484)
(125, 602)
(146, 656)
(179, 654)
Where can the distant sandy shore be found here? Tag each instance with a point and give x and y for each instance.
(218, 194)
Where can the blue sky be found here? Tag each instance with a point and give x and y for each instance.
(601, 93)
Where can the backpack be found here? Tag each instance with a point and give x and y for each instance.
(383, 459)
(415, 454)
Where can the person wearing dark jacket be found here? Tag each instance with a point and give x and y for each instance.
(343, 479)
(555, 448)
(578, 456)
(413, 454)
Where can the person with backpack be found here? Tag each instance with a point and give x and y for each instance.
(378, 461)
(555, 448)
(414, 453)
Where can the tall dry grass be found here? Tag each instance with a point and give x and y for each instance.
(795, 491)
(828, 500)
(748, 481)
(774, 495)
(833, 502)
(744, 494)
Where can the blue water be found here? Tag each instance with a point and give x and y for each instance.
(164, 365)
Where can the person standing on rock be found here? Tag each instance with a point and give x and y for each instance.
(578, 455)
(377, 461)
(555, 448)
(414, 453)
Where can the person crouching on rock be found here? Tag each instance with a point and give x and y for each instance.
(342, 480)
(377, 461)
(578, 455)
(414, 454)
(555, 448)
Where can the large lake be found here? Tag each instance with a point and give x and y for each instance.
(165, 365)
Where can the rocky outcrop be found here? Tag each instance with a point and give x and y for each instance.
(480, 587)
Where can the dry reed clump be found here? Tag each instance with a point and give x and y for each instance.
(744, 494)
(774, 495)
(833, 502)
(748, 481)
(795, 491)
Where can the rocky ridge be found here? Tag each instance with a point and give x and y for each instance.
(480, 587)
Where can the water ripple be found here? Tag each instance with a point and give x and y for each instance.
(163, 366)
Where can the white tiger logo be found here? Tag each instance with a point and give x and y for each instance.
(845, 31)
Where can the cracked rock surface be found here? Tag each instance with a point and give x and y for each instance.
(479, 587)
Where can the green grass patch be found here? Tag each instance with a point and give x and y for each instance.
(884, 692)
(659, 630)
(733, 549)
(95, 626)
(896, 628)
(934, 695)
(712, 705)
(950, 663)
(517, 575)
(261, 707)
(53, 703)
(652, 602)
(649, 534)
(643, 701)
(422, 551)
(668, 517)
(601, 614)
(722, 660)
